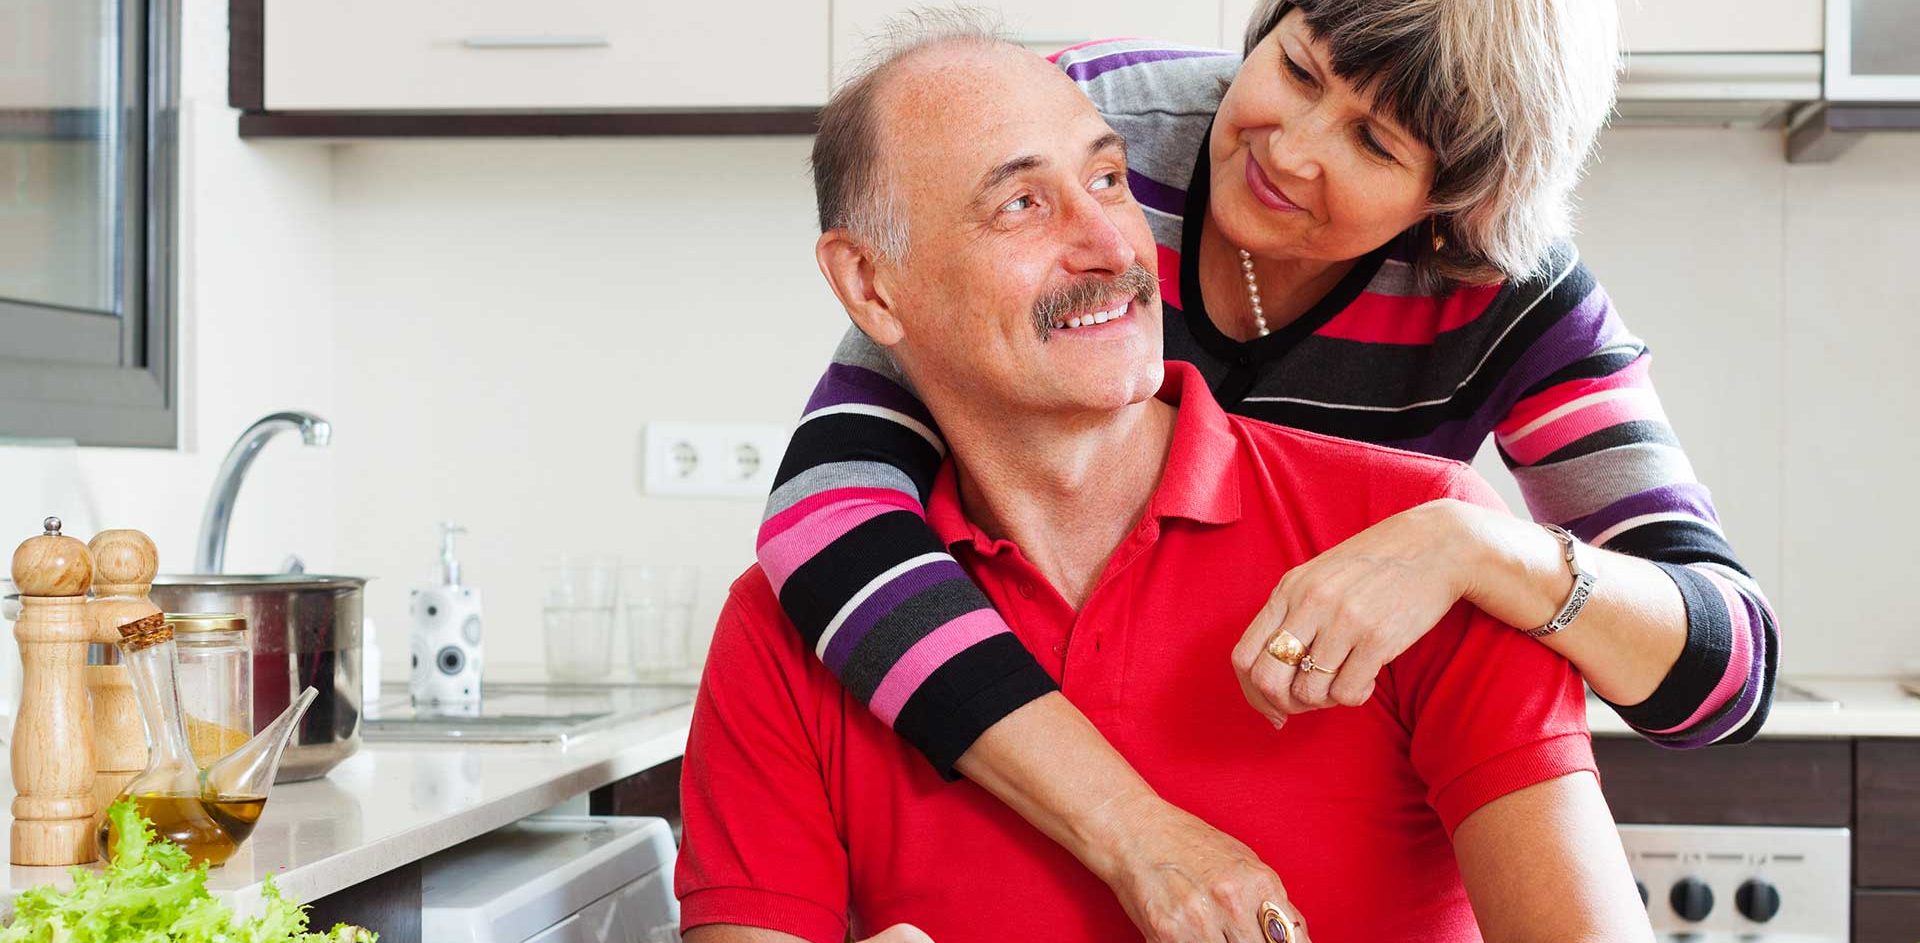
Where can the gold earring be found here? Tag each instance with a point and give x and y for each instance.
(1433, 226)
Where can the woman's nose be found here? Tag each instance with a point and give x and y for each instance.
(1295, 144)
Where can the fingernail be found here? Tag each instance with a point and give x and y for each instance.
(1279, 724)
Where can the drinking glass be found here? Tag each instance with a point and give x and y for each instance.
(578, 617)
(660, 601)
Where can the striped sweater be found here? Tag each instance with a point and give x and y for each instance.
(1543, 365)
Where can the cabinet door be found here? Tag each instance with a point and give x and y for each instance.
(1886, 838)
(476, 55)
(1669, 25)
(1043, 25)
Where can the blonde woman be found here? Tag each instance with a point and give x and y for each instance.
(1362, 229)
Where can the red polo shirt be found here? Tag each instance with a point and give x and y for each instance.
(806, 815)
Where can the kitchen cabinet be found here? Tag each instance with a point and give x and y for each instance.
(1670, 25)
(358, 55)
(378, 68)
(1043, 25)
(1887, 803)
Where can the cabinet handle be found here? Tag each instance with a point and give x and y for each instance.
(536, 42)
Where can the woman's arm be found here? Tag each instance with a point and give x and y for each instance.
(866, 583)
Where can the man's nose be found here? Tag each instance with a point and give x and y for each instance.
(1098, 244)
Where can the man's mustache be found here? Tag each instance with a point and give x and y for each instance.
(1094, 294)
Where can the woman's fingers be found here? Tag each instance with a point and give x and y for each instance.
(899, 933)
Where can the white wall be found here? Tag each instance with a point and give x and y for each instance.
(256, 286)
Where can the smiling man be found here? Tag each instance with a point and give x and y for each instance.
(978, 226)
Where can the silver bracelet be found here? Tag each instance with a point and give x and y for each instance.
(1582, 586)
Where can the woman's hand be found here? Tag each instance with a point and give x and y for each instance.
(1357, 607)
(1184, 881)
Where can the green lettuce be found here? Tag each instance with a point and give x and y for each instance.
(151, 893)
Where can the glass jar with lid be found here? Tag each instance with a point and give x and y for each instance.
(214, 652)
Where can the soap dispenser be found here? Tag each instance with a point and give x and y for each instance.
(446, 639)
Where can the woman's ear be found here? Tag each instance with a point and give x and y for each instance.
(860, 285)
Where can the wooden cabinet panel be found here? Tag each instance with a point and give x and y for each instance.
(1671, 25)
(1886, 838)
(373, 55)
(1043, 25)
(1767, 782)
(1886, 916)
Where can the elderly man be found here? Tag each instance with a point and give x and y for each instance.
(979, 227)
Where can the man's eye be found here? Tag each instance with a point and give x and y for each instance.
(1017, 204)
(1106, 181)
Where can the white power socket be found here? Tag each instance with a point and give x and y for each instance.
(715, 459)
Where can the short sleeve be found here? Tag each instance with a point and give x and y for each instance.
(1490, 710)
(760, 845)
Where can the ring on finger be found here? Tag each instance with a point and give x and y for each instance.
(1308, 664)
(1286, 648)
(1275, 925)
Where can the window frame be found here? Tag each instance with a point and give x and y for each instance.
(92, 378)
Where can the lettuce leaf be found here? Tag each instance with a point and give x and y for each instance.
(149, 892)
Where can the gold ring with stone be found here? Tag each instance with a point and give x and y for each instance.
(1286, 649)
(1275, 924)
(1308, 664)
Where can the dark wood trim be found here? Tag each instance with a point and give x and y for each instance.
(388, 905)
(247, 54)
(650, 792)
(1886, 916)
(1766, 782)
(315, 124)
(1886, 837)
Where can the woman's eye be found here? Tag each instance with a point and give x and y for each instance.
(1295, 70)
(1106, 181)
(1373, 145)
(1017, 204)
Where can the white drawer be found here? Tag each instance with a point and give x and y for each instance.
(467, 55)
(1044, 25)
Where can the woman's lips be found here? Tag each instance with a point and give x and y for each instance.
(1264, 190)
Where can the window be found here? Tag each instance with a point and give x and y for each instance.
(88, 127)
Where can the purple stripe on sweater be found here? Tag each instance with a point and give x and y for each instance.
(1086, 70)
(1581, 331)
(1710, 731)
(1155, 195)
(1457, 439)
(883, 601)
(846, 383)
(1689, 497)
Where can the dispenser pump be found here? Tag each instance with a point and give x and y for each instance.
(449, 564)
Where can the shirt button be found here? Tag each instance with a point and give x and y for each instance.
(1060, 650)
(1026, 588)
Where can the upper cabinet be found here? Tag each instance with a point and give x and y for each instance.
(581, 55)
(1669, 25)
(1042, 25)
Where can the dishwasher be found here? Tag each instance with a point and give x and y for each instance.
(558, 879)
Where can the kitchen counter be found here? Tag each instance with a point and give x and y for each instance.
(1867, 707)
(394, 803)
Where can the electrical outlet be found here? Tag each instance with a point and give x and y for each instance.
(714, 459)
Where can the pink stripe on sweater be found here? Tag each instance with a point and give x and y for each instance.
(1738, 665)
(780, 523)
(934, 649)
(1579, 424)
(845, 509)
(1539, 404)
(1169, 261)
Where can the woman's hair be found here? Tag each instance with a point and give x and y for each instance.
(1509, 94)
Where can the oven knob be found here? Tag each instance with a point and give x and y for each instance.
(1692, 899)
(1757, 900)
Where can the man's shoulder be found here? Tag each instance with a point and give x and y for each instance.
(1315, 452)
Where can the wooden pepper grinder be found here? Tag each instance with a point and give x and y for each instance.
(124, 564)
(53, 737)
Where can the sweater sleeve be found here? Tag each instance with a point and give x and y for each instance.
(1592, 450)
(872, 592)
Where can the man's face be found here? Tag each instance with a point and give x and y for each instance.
(1030, 282)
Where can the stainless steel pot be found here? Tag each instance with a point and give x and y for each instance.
(306, 631)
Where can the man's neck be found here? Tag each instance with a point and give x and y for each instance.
(1067, 490)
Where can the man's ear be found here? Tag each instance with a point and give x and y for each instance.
(849, 267)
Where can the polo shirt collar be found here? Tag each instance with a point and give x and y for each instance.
(1200, 483)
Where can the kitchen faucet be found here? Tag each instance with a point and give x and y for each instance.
(211, 556)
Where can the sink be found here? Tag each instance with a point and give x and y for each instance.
(521, 713)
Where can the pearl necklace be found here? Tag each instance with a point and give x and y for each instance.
(1253, 292)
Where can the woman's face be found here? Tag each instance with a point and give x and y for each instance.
(1303, 167)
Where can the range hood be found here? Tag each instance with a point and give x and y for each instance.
(1739, 90)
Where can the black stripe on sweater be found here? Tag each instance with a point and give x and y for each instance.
(854, 437)
(969, 693)
(1701, 664)
(1678, 543)
(905, 624)
(1637, 432)
(819, 587)
(1601, 363)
